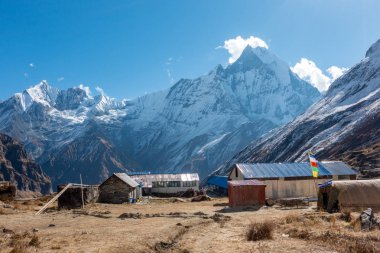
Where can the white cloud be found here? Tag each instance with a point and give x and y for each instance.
(86, 89)
(31, 65)
(336, 72)
(100, 90)
(309, 71)
(60, 79)
(236, 46)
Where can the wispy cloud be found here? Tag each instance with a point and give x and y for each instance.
(171, 79)
(31, 65)
(60, 79)
(236, 46)
(169, 61)
(26, 75)
(307, 70)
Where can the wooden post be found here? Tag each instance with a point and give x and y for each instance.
(81, 189)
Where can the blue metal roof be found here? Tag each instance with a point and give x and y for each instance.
(277, 170)
(220, 181)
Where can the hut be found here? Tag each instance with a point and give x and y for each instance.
(119, 188)
(218, 185)
(166, 184)
(246, 193)
(72, 197)
(291, 180)
(349, 196)
(7, 190)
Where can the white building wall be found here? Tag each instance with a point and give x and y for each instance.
(276, 189)
(172, 190)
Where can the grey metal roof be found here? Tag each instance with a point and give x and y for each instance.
(146, 180)
(277, 170)
(126, 179)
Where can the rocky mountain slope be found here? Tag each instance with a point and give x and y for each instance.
(342, 125)
(17, 167)
(195, 125)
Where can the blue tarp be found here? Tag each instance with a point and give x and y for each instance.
(220, 181)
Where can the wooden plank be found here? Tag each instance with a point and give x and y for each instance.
(53, 199)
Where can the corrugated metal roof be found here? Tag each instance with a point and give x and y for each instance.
(127, 179)
(133, 173)
(246, 182)
(338, 168)
(278, 170)
(220, 181)
(146, 180)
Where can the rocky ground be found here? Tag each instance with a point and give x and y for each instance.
(170, 225)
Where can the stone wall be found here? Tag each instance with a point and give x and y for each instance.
(114, 191)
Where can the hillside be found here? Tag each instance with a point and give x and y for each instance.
(17, 167)
(342, 125)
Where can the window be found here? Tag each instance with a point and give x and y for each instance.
(189, 183)
(174, 184)
(159, 184)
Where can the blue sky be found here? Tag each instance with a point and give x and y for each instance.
(132, 47)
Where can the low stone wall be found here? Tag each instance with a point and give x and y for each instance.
(7, 190)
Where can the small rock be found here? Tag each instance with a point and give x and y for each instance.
(51, 225)
(35, 230)
(8, 231)
(7, 206)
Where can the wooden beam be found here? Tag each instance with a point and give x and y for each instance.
(53, 199)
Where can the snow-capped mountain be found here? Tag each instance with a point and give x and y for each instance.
(344, 124)
(195, 125)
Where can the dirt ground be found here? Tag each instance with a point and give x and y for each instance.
(165, 226)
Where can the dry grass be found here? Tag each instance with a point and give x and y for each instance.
(181, 227)
(260, 231)
(346, 216)
(19, 249)
(164, 246)
(362, 246)
(335, 234)
(35, 242)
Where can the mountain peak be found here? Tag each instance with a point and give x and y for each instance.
(41, 93)
(248, 60)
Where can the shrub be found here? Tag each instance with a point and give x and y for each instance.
(34, 241)
(346, 216)
(260, 231)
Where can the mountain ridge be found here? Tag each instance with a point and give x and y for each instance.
(188, 127)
